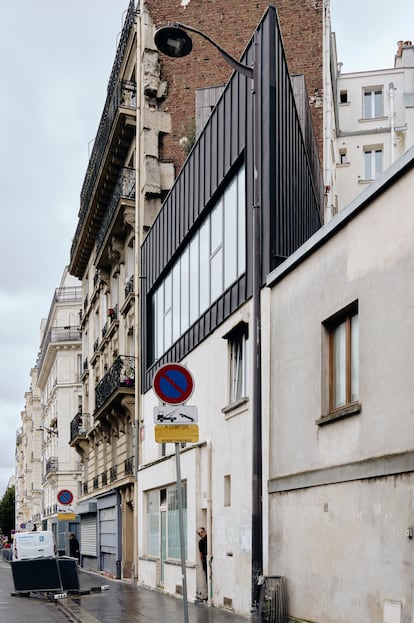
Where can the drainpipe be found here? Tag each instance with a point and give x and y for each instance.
(137, 272)
(209, 524)
(327, 109)
(392, 120)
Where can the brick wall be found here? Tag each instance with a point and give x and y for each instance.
(231, 23)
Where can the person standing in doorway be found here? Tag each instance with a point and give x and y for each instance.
(74, 546)
(202, 547)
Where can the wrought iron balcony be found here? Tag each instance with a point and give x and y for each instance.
(124, 189)
(79, 425)
(113, 473)
(129, 288)
(129, 465)
(55, 335)
(121, 374)
(51, 465)
(104, 478)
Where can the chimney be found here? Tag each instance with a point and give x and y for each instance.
(399, 49)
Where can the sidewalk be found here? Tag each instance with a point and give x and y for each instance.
(124, 602)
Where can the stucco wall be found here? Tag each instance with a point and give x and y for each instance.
(341, 494)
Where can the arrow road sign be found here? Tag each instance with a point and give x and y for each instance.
(183, 414)
(173, 384)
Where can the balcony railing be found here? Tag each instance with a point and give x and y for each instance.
(120, 374)
(124, 95)
(129, 287)
(124, 188)
(58, 334)
(113, 473)
(104, 479)
(51, 465)
(129, 465)
(79, 425)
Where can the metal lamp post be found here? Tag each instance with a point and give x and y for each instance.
(174, 41)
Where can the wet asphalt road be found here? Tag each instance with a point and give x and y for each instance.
(121, 603)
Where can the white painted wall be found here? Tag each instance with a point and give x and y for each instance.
(342, 545)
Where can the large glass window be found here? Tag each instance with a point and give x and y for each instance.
(165, 533)
(214, 259)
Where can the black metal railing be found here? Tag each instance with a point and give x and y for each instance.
(58, 334)
(124, 188)
(129, 286)
(124, 95)
(104, 478)
(113, 473)
(120, 374)
(129, 465)
(79, 425)
(96, 482)
(51, 465)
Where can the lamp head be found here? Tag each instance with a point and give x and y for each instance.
(173, 41)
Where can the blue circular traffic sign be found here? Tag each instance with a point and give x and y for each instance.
(173, 384)
(65, 496)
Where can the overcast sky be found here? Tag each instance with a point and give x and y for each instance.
(55, 61)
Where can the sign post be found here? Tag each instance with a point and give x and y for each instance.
(174, 384)
(65, 508)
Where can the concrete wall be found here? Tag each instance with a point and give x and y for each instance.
(341, 493)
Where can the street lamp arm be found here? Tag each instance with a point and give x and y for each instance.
(230, 60)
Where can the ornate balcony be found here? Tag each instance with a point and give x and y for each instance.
(115, 135)
(78, 432)
(120, 209)
(117, 382)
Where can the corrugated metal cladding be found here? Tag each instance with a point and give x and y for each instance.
(290, 194)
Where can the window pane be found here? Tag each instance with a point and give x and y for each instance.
(194, 281)
(160, 320)
(237, 368)
(230, 234)
(204, 266)
(367, 105)
(378, 162)
(176, 301)
(216, 220)
(378, 106)
(185, 291)
(339, 365)
(241, 247)
(367, 165)
(216, 275)
(354, 358)
(152, 524)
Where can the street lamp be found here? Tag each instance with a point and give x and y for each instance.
(174, 41)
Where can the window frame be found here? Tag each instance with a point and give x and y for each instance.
(351, 406)
(371, 92)
(239, 334)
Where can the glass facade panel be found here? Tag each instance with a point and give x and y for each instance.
(214, 259)
(230, 235)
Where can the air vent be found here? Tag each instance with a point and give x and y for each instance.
(227, 603)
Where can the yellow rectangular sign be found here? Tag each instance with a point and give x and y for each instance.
(176, 433)
(66, 516)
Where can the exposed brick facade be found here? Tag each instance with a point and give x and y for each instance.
(231, 23)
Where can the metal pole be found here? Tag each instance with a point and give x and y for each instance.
(257, 512)
(181, 524)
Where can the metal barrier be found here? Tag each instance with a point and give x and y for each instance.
(273, 600)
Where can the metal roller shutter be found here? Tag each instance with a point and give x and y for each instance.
(88, 536)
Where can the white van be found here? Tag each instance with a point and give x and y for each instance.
(30, 545)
